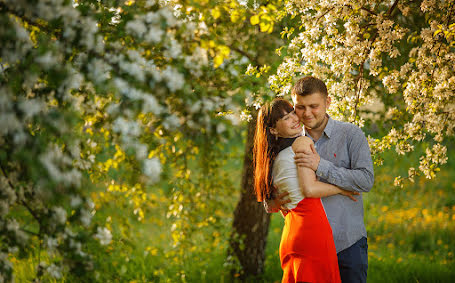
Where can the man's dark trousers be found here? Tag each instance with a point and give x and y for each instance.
(353, 262)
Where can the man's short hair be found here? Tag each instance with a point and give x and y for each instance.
(309, 85)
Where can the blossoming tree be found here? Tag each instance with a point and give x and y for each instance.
(113, 94)
(395, 55)
(118, 93)
(82, 80)
(387, 64)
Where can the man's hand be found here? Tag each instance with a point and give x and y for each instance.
(350, 194)
(308, 159)
(277, 203)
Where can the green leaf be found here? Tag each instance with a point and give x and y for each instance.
(216, 13)
(254, 20)
(266, 26)
(236, 16)
(218, 60)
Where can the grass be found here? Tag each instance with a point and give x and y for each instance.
(411, 230)
(410, 235)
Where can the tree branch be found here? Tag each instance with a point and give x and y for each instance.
(358, 87)
(241, 52)
(5, 8)
(326, 12)
(364, 9)
(389, 12)
(32, 212)
(30, 232)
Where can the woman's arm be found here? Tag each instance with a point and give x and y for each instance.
(309, 185)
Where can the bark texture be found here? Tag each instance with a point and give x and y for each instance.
(251, 222)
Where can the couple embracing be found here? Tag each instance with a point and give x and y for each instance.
(315, 177)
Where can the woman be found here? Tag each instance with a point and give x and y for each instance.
(307, 250)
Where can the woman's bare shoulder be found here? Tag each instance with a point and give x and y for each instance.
(302, 144)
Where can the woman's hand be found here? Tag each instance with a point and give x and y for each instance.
(349, 194)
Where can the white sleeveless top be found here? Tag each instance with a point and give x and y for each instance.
(285, 178)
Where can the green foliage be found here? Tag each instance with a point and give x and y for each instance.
(101, 98)
(410, 234)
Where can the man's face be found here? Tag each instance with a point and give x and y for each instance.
(311, 109)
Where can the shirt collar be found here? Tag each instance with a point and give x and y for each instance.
(328, 130)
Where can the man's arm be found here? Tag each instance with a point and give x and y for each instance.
(359, 177)
(308, 183)
(276, 204)
(269, 206)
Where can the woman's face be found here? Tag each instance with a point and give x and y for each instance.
(288, 126)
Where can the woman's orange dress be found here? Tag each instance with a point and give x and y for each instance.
(307, 250)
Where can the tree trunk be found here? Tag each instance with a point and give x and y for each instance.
(251, 222)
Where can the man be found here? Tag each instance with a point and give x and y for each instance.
(341, 156)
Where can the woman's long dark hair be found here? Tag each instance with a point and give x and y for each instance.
(264, 151)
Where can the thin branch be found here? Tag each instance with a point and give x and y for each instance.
(4, 7)
(441, 41)
(359, 76)
(358, 86)
(6, 176)
(350, 7)
(30, 232)
(326, 12)
(369, 11)
(32, 212)
(362, 8)
(389, 12)
(241, 52)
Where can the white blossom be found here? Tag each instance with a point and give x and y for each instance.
(51, 243)
(90, 29)
(86, 217)
(151, 105)
(12, 225)
(125, 127)
(103, 235)
(77, 247)
(152, 169)
(75, 201)
(56, 162)
(234, 119)
(134, 69)
(174, 49)
(90, 204)
(244, 116)
(141, 150)
(154, 34)
(171, 122)
(10, 123)
(220, 128)
(54, 271)
(150, 3)
(99, 70)
(4, 207)
(391, 82)
(4, 261)
(208, 105)
(152, 18)
(167, 14)
(47, 60)
(175, 80)
(59, 215)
